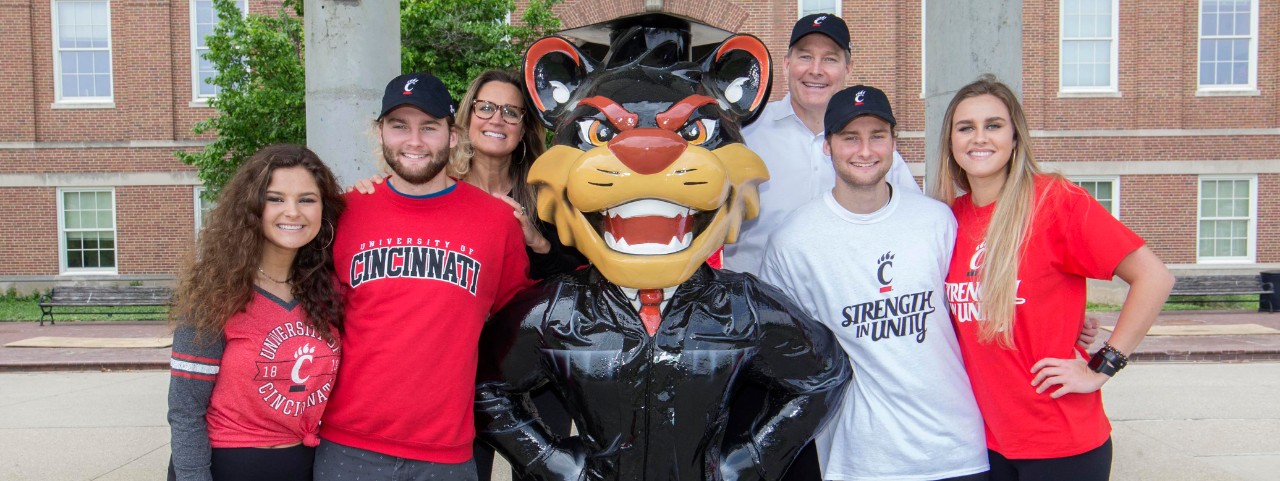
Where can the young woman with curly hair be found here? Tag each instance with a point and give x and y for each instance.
(1026, 242)
(258, 316)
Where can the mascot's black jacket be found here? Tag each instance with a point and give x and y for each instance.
(654, 408)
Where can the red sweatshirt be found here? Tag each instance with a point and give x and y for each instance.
(425, 272)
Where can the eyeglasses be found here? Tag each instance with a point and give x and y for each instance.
(485, 110)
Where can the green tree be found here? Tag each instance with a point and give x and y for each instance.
(458, 39)
(262, 91)
(260, 65)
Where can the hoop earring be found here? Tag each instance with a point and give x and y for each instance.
(333, 234)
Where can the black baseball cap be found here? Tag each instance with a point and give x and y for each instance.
(421, 90)
(854, 101)
(823, 23)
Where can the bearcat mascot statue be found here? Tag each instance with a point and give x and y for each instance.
(648, 177)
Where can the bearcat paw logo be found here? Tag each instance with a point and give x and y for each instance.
(882, 272)
(305, 350)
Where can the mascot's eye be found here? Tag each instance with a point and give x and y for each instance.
(595, 132)
(698, 131)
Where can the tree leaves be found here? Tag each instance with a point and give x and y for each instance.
(260, 63)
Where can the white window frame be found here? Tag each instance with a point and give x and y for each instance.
(61, 102)
(800, 9)
(1243, 89)
(1115, 189)
(198, 209)
(198, 99)
(62, 233)
(1251, 240)
(1113, 86)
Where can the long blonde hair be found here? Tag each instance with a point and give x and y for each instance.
(1011, 220)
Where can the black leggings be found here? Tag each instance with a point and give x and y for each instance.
(258, 464)
(1094, 465)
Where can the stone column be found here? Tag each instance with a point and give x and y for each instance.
(352, 51)
(962, 41)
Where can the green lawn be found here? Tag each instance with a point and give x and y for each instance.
(1195, 303)
(15, 307)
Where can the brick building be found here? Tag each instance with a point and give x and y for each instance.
(1167, 110)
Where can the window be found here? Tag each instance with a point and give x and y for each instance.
(203, 19)
(202, 208)
(1228, 44)
(809, 7)
(82, 50)
(1227, 218)
(87, 221)
(1089, 50)
(1106, 190)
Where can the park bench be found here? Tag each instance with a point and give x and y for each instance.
(1225, 285)
(107, 300)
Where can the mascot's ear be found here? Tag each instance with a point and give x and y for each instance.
(739, 74)
(554, 68)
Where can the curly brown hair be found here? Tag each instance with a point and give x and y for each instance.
(218, 279)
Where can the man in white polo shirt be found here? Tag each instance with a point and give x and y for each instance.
(789, 134)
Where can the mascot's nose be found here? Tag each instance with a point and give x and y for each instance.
(648, 151)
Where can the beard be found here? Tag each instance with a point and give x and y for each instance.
(422, 175)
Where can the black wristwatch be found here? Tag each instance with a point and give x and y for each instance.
(1108, 360)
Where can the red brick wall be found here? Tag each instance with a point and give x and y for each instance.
(1162, 209)
(1268, 218)
(90, 160)
(1158, 73)
(154, 228)
(16, 95)
(28, 231)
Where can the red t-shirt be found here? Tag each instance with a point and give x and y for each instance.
(1072, 237)
(276, 374)
(424, 274)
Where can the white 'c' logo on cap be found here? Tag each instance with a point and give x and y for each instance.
(408, 86)
(857, 99)
(817, 22)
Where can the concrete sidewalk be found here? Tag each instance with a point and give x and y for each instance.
(1213, 348)
(1171, 422)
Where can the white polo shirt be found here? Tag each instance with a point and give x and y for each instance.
(798, 173)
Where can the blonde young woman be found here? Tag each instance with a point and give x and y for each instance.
(1026, 242)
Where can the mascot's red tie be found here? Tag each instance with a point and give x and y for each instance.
(651, 309)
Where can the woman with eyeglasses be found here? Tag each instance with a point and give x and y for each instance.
(501, 141)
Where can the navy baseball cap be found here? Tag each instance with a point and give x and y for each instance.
(421, 90)
(855, 101)
(823, 23)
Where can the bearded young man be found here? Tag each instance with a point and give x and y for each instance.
(424, 260)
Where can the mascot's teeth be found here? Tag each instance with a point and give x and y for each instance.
(676, 245)
(648, 207)
(648, 227)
